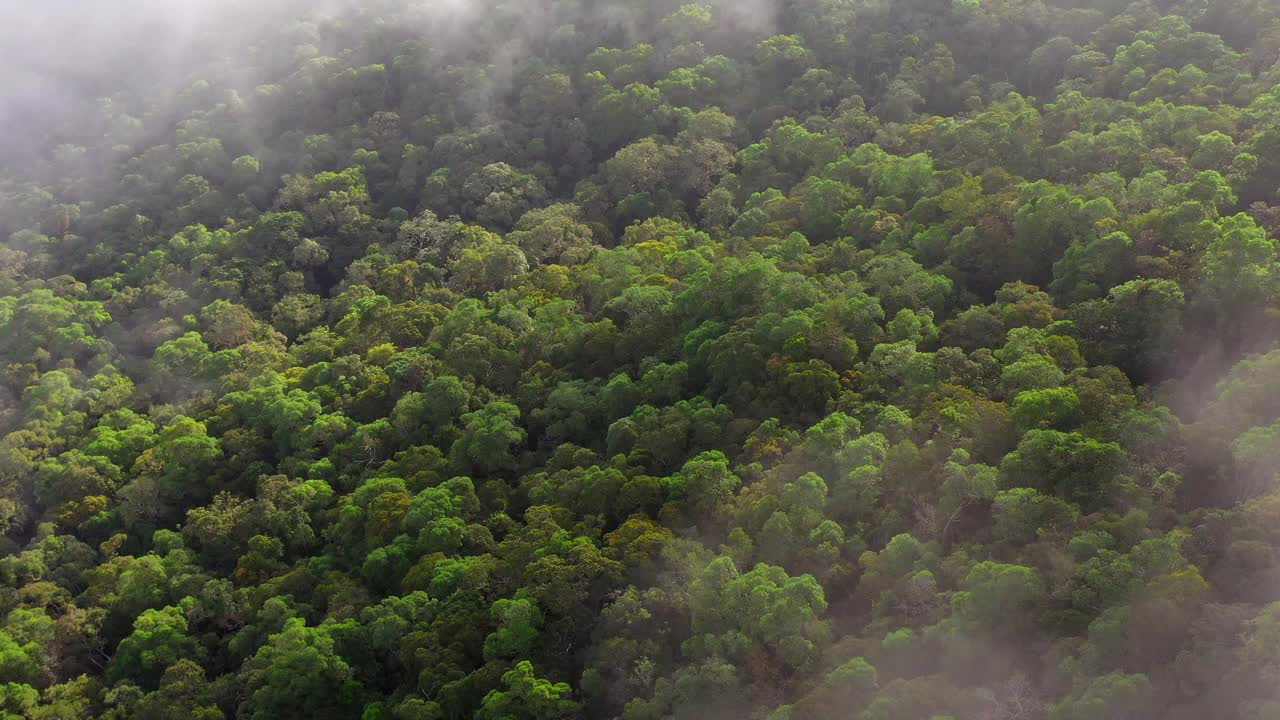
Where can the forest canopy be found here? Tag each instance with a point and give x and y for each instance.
(784, 360)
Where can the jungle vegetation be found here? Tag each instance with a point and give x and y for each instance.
(555, 359)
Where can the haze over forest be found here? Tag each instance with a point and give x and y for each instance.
(575, 359)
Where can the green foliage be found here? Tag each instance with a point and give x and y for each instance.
(297, 674)
(999, 597)
(1076, 468)
(763, 606)
(1112, 696)
(526, 696)
(159, 640)
(643, 360)
(1021, 514)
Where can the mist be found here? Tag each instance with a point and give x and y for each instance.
(60, 57)
(572, 359)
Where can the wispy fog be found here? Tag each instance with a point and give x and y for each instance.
(59, 57)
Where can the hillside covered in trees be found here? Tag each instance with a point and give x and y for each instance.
(558, 359)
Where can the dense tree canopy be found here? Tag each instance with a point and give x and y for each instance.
(811, 359)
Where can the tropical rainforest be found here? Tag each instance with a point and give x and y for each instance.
(558, 359)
